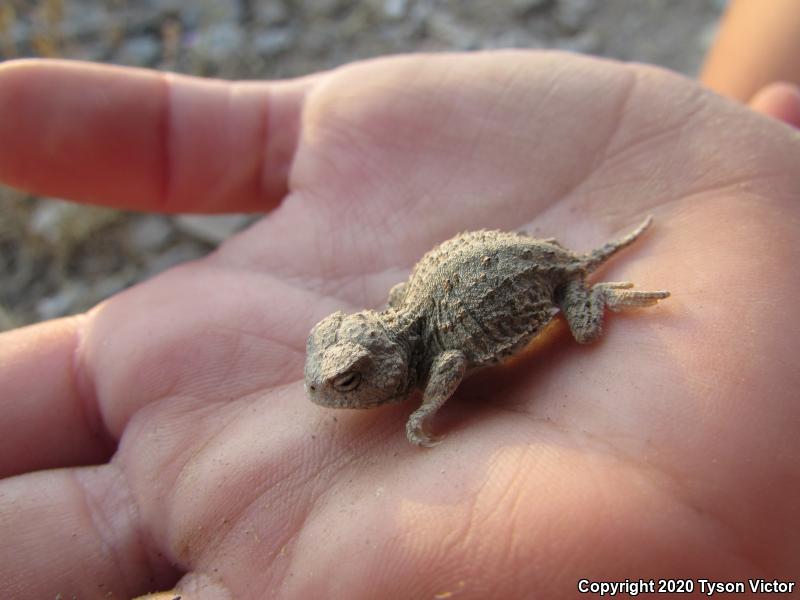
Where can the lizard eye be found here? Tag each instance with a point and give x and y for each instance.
(347, 382)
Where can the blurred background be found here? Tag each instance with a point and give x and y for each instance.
(57, 258)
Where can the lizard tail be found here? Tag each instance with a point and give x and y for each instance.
(595, 258)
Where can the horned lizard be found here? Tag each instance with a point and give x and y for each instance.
(470, 302)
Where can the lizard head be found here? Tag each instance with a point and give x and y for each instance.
(352, 361)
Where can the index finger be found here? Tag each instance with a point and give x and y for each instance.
(146, 140)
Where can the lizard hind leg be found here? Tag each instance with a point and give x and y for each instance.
(584, 307)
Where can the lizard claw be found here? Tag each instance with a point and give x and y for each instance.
(431, 441)
(418, 436)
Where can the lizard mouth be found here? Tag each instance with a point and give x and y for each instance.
(344, 400)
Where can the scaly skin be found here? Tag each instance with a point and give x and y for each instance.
(471, 302)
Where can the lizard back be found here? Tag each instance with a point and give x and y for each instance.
(486, 293)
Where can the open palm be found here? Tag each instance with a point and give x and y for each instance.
(666, 449)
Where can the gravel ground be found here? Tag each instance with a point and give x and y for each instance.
(57, 258)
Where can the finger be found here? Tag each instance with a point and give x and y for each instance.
(75, 534)
(145, 140)
(780, 101)
(49, 416)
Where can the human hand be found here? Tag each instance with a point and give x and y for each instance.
(667, 449)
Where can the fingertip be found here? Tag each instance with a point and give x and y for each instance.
(81, 131)
(779, 100)
(145, 140)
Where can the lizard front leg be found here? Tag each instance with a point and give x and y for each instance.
(446, 373)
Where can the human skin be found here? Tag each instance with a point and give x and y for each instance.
(669, 448)
(758, 43)
(756, 57)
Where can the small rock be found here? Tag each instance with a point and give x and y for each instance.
(420, 11)
(218, 42)
(20, 32)
(61, 303)
(109, 286)
(487, 14)
(85, 18)
(273, 41)
(586, 42)
(46, 220)
(395, 9)
(141, 50)
(61, 222)
(150, 232)
(203, 13)
(524, 7)
(152, 6)
(7, 320)
(514, 39)
(96, 50)
(270, 12)
(211, 229)
(445, 28)
(316, 9)
(571, 15)
(138, 17)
